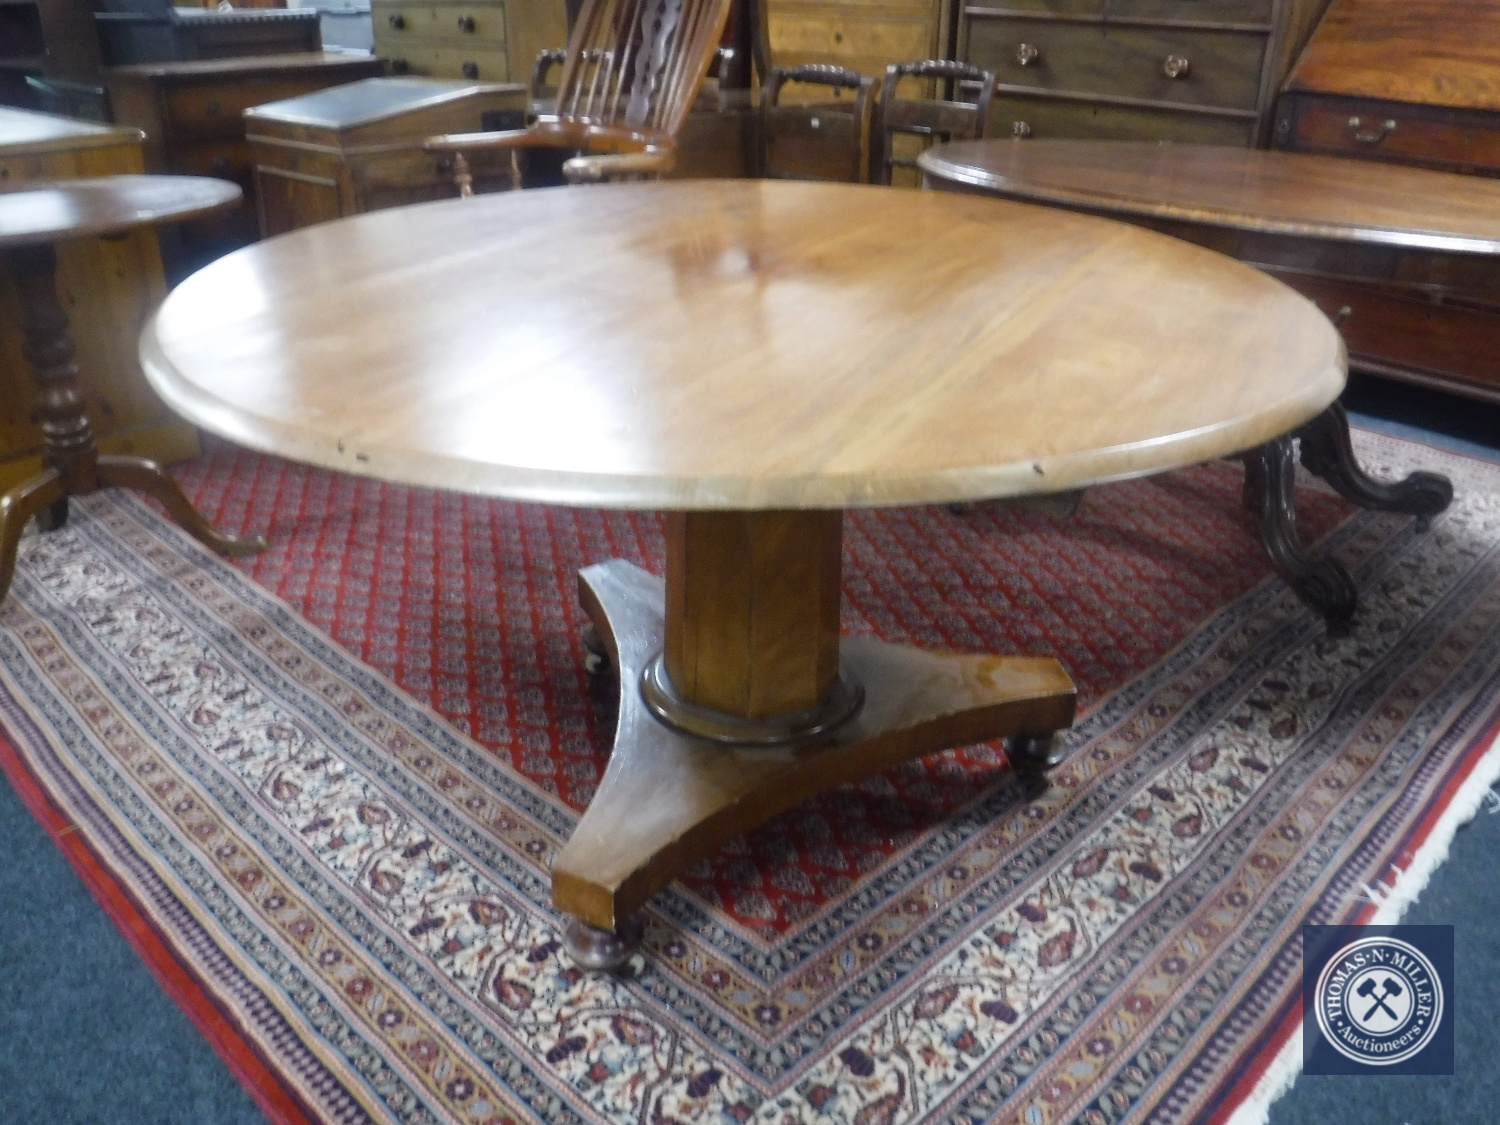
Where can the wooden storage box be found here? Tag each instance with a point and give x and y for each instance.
(358, 147)
(109, 287)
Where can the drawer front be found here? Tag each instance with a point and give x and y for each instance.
(454, 24)
(1056, 120)
(447, 62)
(214, 111)
(1211, 68)
(1178, 11)
(863, 40)
(223, 160)
(1398, 330)
(1389, 131)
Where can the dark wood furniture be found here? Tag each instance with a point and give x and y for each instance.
(631, 76)
(903, 127)
(484, 40)
(54, 38)
(193, 116)
(1333, 229)
(1415, 81)
(1206, 71)
(147, 31)
(815, 140)
(670, 358)
(33, 222)
(358, 147)
(110, 287)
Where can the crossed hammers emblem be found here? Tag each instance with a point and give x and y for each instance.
(1390, 988)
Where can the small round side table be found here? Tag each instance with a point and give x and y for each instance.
(33, 220)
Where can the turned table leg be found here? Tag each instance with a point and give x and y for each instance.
(74, 465)
(1327, 452)
(739, 700)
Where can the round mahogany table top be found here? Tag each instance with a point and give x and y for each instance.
(739, 344)
(46, 212)
(1357, 201)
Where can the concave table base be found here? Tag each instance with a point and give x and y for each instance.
(669, 797)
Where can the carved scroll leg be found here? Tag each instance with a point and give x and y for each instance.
(150, 478)
(1270, 481)
(30, 498)
(1327, 452)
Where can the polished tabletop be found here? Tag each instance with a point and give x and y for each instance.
(40, 212)
(739, 344)
(1357, 201)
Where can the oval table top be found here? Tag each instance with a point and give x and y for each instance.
(739, 344)
(1362, 201)
(42, 212)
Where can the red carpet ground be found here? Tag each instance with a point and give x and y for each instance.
(349, 891)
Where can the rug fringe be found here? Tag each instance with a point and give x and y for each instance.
(1284, 1071)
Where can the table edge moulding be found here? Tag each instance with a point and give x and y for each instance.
(668, 349)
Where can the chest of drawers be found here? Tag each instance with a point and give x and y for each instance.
(1204, 71)
(478, 40)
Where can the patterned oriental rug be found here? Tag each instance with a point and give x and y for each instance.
(320, 793)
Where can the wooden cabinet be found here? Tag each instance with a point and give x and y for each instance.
(109, 287)
(1413, 81)
(1409, 82)
(1183, 70)
(487, 40)
(358, 147)
(866, 37)
(193, 116)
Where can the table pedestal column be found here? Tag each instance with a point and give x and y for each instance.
(738, 701)
(74, 463)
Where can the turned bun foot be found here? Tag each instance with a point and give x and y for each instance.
(1035, 753)
(602, 950)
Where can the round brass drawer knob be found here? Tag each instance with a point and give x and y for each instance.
(1028, 53)
(397, 21)
(471, 70)
(466, 23)
(1176, 66)
(1020, 130)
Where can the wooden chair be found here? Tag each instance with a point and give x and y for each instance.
(935, 119)
(632, 71)
(822, 140)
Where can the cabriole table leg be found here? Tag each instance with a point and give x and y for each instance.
(743, 637)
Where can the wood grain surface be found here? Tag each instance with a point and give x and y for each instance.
(740, 344)
(54, 212)
(1434, 52)
(1246, 189)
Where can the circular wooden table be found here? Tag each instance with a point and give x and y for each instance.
(33, 220)
(1337, 230)
(753, 357)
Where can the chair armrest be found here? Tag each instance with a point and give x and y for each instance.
(594, 169)
(472, 142)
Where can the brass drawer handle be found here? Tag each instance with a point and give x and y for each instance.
(212, 108)
(466, 23)
(1028, 53)
(1176, 66)
(1387, 127)
(471, 70)
(397, 21)
(1020, 130)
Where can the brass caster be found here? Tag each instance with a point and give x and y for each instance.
(1034, 753)
(601, 950)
